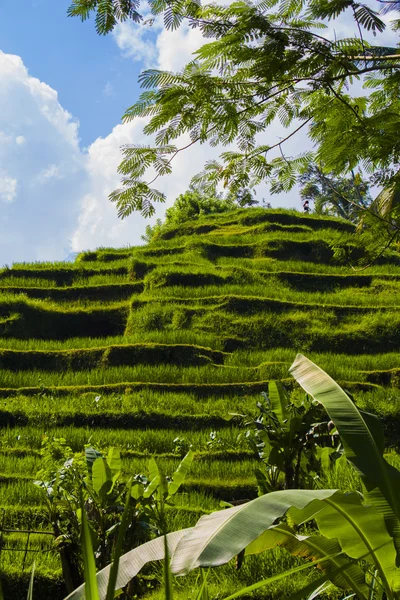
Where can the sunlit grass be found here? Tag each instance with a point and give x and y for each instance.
(215, 288)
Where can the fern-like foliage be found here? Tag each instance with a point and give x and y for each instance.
(110, 12)
(263, 60)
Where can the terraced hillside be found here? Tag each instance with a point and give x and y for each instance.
(138, 347)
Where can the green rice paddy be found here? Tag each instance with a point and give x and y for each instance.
(151, 348)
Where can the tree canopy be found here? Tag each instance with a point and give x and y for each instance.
(265, 60)
(340, 196)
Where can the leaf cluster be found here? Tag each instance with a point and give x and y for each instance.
(108, 13)
(89, 488)
(264, 62)
(354, 540)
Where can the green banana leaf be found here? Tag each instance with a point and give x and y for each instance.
(218, 537)
(180, 474)
(360, 531)
(362, 438)
(279, 400)
(101, 477)
(114, 462)
(342, 571)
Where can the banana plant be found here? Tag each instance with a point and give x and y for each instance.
(356, 542)
(288, 439)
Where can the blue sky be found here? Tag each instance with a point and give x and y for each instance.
(71, 58)
(63, 90)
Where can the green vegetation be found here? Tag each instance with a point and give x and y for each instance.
(209, 314)
(351, 538)
(265, 62)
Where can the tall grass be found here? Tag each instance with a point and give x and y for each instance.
(160, 373)
(183, 336)
(152, 441)
(298, 266)
(211, 470)
(380, 294)
(47, 407)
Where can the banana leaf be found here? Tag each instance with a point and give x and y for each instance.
(131, 563)
(362, 438)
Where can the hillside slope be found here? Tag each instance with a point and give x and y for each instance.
(140, 346)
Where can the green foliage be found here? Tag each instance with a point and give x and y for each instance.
(356, 546)
(193, 204)
(288, 438)
(108, 12)
(266, 61)
(343, 197)
(86, 498)
(188, 206)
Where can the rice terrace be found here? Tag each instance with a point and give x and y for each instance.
(151, 349)
(204, 405)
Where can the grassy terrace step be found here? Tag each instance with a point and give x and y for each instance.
(63, 274)
(108, 356)
(256, 216)
(197, 389)
(180, 336)
(258, 322)
(106, 292)
(381, 293)
(17, 516)
(204, 455)
(250, 305)
(315, 251)
(209, 466)
(24, 318)
(104, 255)
(159, 440)
(298, 279)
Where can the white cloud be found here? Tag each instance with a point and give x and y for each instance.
(175, 48)
(8, 188)
(108, 89)
(36, 222)
(50, 173)
(137, 42)
(4, 138)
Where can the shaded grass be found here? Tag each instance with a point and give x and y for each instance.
(268, 323)
(109, 356)
(275, 265)
(27, 318)
(156, 337)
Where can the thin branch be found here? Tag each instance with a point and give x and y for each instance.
(214, 127)
(279, 144)
(372, 57)
(387, 245)
(343, 101)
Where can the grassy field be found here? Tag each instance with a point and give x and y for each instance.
(151, 348)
